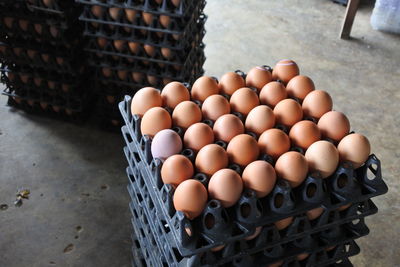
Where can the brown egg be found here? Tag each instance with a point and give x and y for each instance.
(197, 136)
(276, 264)
(31, 53)
(173, 94)
(119, 44)
(23, 24)
(24, 78)
(322, 157)
(17, 51)
(314, 213)
(285, 70)
(147, 18)
(230, 82)
(134, 47)
(203, 87)
(292, 166)
(107, 72)
(272, 93)
(60, 60)
(259, 176)
(288, 112)
(215, 106)
(274, 142)
(37, 81)
(166, 52)
(137, 76)
(257, 77)
(155, 120)
(334, 125)
(8, 22)
(302, 256)
(243, 149)
(300, 86)
(244, 100)
(102, 42)
(176, 169)
(97, 11)
(226, 186)
(45, 57)
(282, 224)
(256, 233)
(185, 114)
(122, 74)
(114, 12)
(54, 31)
(153, 80)
(176, 2)
(304, 133)
(48, 3)
(38, 28)
(317, 103)
(354, 148)
(149, 49)
(43, 105)
(165, 21)
(260, 119)
(145, 99)
(130, 14)
(211, 158)
(190, 197)
(227, 126)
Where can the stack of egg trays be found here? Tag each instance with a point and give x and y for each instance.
(233, 226)
(153, 237)
(41, 61)
(126, 71)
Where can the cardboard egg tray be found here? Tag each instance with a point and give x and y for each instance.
(146, 216)
(177, 23)
(330, 194)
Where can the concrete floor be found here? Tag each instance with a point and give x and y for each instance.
(77, 214)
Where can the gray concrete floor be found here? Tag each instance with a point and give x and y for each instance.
(77, 174)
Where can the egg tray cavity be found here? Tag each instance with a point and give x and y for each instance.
(327, 193)
(342, 236)
(151, 38)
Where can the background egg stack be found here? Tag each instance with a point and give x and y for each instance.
(263, 152)
(40, 54)
(136, 43)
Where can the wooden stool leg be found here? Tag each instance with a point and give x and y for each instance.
(351, 11)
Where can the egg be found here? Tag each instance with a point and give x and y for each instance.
(257, 231)
(176, 169)
(119, 45)
(155, 120)
(31, 53)
(211, 158)
(144, 99)
(274, 142)
(304, 133)
(114, 12)
(102, 42)
(130, 14)
(165, 21)
(48, 3)
(214, 107)
(45, 57)
(227, 126)
(354, 148)
(300, 86)
(147, 17)
(23, 24)
(149, 49)
(137, 76)
(282, 224)
(226, 186)
(166, 52)
(314, 213)
(185, 114)
(243, 149)
(244, 100)
(122, 74)
(165, 144)
(334, 125)
(8, 22)
(317, 103)
(133, 47)
(288, 112)
(176, 2)
(197, 136)
(272, 93)
(285, 70)
(259, 176)
(322, 157)
(230, 82)
(257, 77)
(38, 28)
(293, 167)
(107, 72)
(190, 197)
(97, 11)
(203, 87)
(260, 119)
(174, 93)
(302, 256)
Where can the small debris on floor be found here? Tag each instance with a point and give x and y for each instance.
(104, 187)
(3, 207)
(21, 194)
(69, 248)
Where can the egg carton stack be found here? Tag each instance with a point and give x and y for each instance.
(41, 58)
(253, 170)
(133, 44)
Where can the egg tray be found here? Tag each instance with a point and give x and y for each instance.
(300, 226)
(342, 234)
(195, 28)
(185, 9)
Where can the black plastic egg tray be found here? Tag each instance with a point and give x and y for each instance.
(163, 253)
(343, 187)
(177, 23)
(181, 41)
